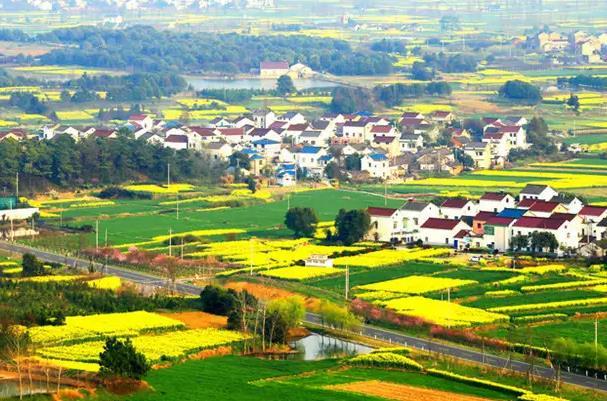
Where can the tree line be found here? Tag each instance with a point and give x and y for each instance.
(146, 49)
(98, 161)
(353, 100)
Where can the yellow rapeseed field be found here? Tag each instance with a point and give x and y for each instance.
(300, 273)
(417, 284)
(442, 312)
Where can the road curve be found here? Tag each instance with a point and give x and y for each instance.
(599, 383)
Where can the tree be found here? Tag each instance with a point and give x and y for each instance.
(351, 100)
(520, 91)
(302, 221)
(217, 301)
(420, 72)
(252, 184)
(541, 240)
(519, 242)
(332, 171)
(352, 226)
(31, 266)
(15, 345)
(574, 102)
(353, 162)
(337, 316)
(285, 85)
(283, 315)
(120, 358)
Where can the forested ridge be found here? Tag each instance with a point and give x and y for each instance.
(143, 48)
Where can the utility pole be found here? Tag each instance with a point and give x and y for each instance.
(288, 201)
(168, 175)
(96, 234)
(596, 340)
(105, 239)
(170, 241)
(347, 281)
(177, 207)
(17, 186)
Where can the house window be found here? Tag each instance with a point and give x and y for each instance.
(416, 221)
(447, 241)
(394, 225)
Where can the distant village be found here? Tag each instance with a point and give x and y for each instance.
(577, 47)
(288, 146)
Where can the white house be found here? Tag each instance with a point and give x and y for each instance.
(495, 202)
(384, 224)
(564, 231)
(356, 131)
(267, 147)
(436, 231)
(456, 208)
(411, 143)
(377, 165)
(536, 191)
(177, 142)
(219, 151)
(412, 215)
(263, 118)
(309, 157)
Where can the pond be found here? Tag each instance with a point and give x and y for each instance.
(317, 346)
(10, 388)
(199, 83)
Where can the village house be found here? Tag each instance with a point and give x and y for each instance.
(263, 118)
(384, 225)
(267, 147)
(537, 192)
(176, 142)
(219, 151)
(456, 208)
(442, 117)
(356, 131)
(390, 144)
(443, 232)
(495, 202)
(377, 165)
(411, 143)
(480, 153)
(273, 69)
(308, 158)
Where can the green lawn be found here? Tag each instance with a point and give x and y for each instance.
(263, 220)
(582, 330)
(242, 379)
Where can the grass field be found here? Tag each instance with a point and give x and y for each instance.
(147, 219)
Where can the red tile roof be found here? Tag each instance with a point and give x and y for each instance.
(499, 221)
(381, 211)
(462, 233)
(493, 135)
(274, 65)
(440, 224)
(298, 127)
(563, 216)
(510, 128)
(592, 210)
(384, 139)
(526, 203)
(494, 196)
(484, 216)
(381, 129)
(539, 222)
(176, 139)
(455, 203)
(543, 206)
(203, 131)
(231, 131)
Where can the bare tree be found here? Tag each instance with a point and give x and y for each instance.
(15, 345)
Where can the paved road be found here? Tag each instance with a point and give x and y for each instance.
(366, 330)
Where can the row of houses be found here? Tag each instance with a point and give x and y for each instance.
(389, 149)
(492, 221)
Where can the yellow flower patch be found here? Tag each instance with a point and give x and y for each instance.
(300, 273)
(417, 284)
(442, 312)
